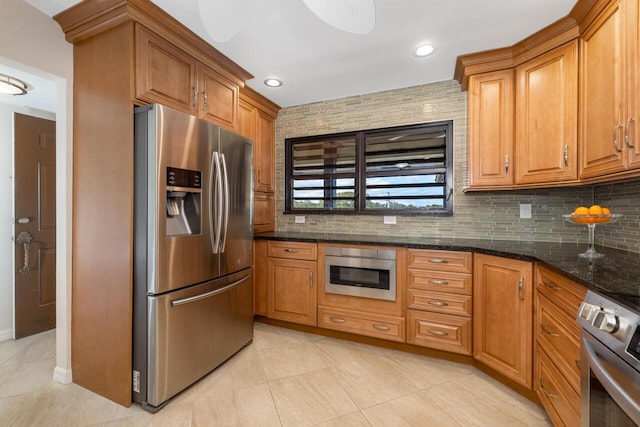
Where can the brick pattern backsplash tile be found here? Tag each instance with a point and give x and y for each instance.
(484, 215)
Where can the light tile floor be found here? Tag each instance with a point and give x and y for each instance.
(285, 378)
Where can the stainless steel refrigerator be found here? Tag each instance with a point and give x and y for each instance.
(193, 290)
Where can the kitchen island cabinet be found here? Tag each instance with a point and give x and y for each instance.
(503, 316)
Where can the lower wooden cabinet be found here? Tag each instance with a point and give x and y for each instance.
(503, 316)
(292, 290)
(559, 399)
(373, 325)
(439, 331)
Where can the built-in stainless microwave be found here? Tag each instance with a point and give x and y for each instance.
(360, 272)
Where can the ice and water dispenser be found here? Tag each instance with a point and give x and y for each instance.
(184, 202)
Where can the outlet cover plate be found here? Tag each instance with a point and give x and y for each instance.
(525, 210)
(300, 219)
(389, 219)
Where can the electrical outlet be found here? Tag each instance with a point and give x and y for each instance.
(389, 219)
(300, 219)
(525, 210)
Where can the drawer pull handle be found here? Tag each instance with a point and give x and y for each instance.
(547, 392)
(438, 282)
(311, 279)
(438, 303)
(546, 330)
(578, 364)
(291, 251)
(381, 327)
(438, 261)
(521, 288)
(336, 319)
(437, 332)
(551, 285)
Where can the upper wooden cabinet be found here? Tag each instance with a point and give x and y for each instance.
(546, 117)
(503, 316)
(609, 83)
(168, 75)
(491, 98)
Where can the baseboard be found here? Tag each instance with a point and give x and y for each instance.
(62, 376)
(6, 334)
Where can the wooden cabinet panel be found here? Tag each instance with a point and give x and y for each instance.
(246, 121)
(503, 316)
(561, 402)
(293, 250)
(601, 96)
(265, 152)
(219, 98)
(439, 302)
(547, 117)
(439, 281)
(559, 336)
(164, 73)
(451, 261)
(560, 290)
(441, 331)
(260, 277)
(491, 130)
(292, 290)
(263, 212)
(369, 324)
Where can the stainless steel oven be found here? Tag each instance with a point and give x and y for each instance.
(360, 272)
(610, 363)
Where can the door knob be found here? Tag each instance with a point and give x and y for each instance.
(24, 220)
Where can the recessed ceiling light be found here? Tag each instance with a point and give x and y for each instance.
(12, 86)
(423, 50)
(273, 82)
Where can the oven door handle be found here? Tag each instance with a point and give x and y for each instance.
(616, 391)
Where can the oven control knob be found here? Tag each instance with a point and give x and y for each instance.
(607, 322)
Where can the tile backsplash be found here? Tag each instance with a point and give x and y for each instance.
(485, 215)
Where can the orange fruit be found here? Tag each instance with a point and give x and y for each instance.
(595, 210)
(581, 211)
(606, 211)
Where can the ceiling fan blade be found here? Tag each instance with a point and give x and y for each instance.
(223, 19)
(352, 16)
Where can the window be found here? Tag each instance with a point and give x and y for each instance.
(404, 169)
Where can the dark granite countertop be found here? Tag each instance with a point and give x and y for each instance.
(617, 275)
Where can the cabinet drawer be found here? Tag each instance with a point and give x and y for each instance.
(378, 326)
(559, 399)
(293, 250)
(458, 283)
(459, 262)
(439, 302)
(564, 292)
(440, 331)
(558, 334)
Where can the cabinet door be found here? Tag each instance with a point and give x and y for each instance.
(219, 100)
(164, 73)
(547, 117)
(503, 316)
(632, 127)
(246, 121)
(601, 95)
(491, 98)
(263, 212)
(292, 290)
(264, 152)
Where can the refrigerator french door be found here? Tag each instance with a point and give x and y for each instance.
(193, 301)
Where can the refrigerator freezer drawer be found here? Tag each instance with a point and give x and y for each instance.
(192, 331)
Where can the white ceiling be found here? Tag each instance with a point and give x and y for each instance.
(317, 62)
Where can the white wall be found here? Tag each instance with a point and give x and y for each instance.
(34, 43)
(6, 212)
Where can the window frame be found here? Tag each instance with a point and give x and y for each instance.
(360, 138)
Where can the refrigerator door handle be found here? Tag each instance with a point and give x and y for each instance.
(222, 290)
(215, 193)
(225, 205)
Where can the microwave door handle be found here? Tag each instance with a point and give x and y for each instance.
(621, 397)
(225, 205)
